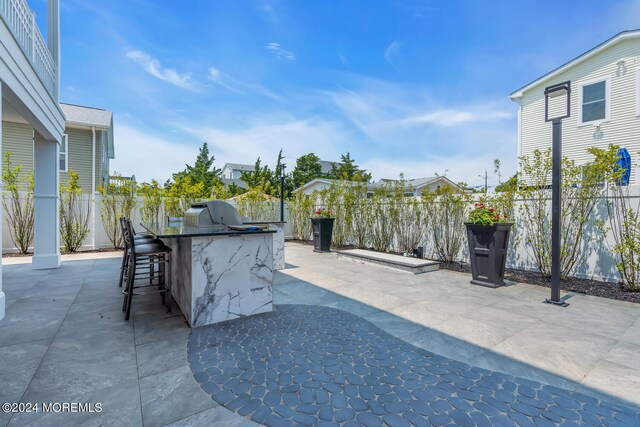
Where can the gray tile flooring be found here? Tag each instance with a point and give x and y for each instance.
(64, 339)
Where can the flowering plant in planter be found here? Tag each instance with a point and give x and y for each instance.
(322, 213)
(488, 237)
(482, 215)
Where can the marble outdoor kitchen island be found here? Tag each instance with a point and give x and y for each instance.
(219, 274)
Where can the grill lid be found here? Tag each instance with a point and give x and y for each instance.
(214, 213)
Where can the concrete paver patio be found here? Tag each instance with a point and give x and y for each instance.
(64, 340)
(589, 345)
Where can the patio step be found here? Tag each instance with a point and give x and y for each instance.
(397, 262)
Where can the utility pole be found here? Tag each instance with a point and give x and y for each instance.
(486, 186)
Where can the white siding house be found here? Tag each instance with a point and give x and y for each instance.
(604, 100)
(317, 184)
(234, 170)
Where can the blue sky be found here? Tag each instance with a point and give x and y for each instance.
(419, 87)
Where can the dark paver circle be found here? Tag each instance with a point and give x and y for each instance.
(305, 364)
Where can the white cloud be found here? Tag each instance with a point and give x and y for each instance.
(148, 156)
(457, 168)
(265, 137)
(391, 51)
(155, 68)
(269, 12)
(407, 130)
(453, 117)
(223, 80)
(214, 74)
(279, 52)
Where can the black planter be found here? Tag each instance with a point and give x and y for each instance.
(488, 253)
(322, 232)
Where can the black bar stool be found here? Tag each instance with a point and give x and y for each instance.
(143, 260)
(140, 239)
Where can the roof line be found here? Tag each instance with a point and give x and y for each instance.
(621, 35)
(86, 125)
(83, 106)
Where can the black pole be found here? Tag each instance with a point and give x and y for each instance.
(556, 194)
(282, 193)
(556, 197)
(556, 90)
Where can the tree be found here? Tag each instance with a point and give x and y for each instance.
(203, 171)
(288, 182)
(260, 177)
(508, 184)
(348, 170)
(307, 168)
(182, 193)
(224, 192)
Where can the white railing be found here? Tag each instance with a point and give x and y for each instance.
(22, 23)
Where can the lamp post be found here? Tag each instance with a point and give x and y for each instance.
(558, 113)
(282, 168)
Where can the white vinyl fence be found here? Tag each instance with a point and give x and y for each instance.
(97, 238)
(599, 264)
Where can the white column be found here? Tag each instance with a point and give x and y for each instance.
(2, 296)
(46, 239)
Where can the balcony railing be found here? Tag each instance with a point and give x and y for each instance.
(21, 21)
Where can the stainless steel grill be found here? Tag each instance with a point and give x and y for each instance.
(213, 214)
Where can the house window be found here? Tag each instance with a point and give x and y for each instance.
(63, 154)
(594, 101)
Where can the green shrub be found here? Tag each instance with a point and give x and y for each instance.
(582, 188)
(181, 194)
(624, 220)
(384, 218)
(445, 214)
(74, 215)
(152, 195)
(301, 207)
(117, 202)
(18, 208)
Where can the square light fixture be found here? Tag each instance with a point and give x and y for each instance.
(557, 91)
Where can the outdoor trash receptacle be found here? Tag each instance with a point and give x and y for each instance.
(488, 252)
(322, 233)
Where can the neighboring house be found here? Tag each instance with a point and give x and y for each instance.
(234, 170)
(317, 184)
(89, 145)
(87, 141)
(415, 187)
(326, 166)
(29, 89)
(412, 188)
(231, 172)
(233, 181)
(604, 101)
